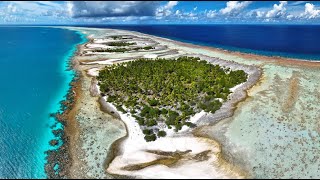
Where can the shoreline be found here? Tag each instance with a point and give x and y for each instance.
(61, 155)
(171, 144)
(250, 57)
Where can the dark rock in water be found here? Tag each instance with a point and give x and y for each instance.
(54, 142)
(52, 115)
(58, 132)
(54, 126)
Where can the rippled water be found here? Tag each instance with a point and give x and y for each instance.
(33, 80)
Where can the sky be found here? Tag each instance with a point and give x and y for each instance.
(159, 12)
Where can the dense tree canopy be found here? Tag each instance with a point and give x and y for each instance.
(123, 49)
(120, 43)
(167, 91)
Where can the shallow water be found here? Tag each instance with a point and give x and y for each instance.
(33, 80)
(275, 132)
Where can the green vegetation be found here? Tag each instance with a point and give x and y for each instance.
(120, 44)
(151, 137)
(119, 37)
(162, 134)
(167, 91)
(122, 49)
(145, 48)
(147, 131)
(116, 37)
(148, 48)
(112, 50)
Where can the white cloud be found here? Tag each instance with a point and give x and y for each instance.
(257, 14)
(127, 19)
(166, 10)
(191, 14)
(34, 7)
(166, 13)
(69, 8)
(211, 13)
(144, 17)
(11, 8)
(178, 14)
(290, 16)
(170, 4)
(310, 12)
(234, 7)
(298, 3)
(260, 14)
(39, 11)
(278, 10)
(138, 11)
(98, 9)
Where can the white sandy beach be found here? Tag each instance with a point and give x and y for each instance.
(93, 72)
(133, 151)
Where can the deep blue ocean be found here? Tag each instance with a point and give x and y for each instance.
(294, 41)
(33, 80)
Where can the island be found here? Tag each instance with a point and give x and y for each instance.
(136, 107)
(166, 92)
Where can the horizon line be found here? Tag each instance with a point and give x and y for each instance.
(304, 24)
